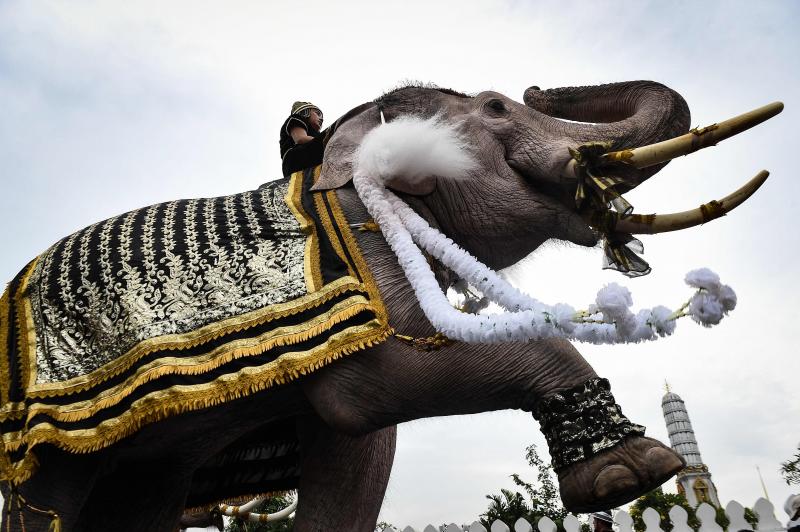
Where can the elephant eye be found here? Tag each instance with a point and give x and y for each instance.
(496, 105)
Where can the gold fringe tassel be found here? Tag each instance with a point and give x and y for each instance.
(152, 408)
(187, 341)
(216, 358)
(6, 322)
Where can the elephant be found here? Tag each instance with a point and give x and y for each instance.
(341, 414)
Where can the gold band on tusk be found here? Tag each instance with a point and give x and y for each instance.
(694, 140)
(662, 223)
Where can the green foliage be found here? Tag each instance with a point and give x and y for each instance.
(751, 517)
(722, 519)
(270, 505)
(382, 525)
(543, 499)
(790, 469)
(507, 507)
(661, 502)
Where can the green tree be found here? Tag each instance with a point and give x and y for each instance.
(544, 499)
(790, 469)
(269, 506)
(507, 507)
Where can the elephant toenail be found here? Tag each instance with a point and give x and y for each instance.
(663, 463)
(614, 481)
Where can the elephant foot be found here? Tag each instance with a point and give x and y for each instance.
(602, 459)
(617, 475)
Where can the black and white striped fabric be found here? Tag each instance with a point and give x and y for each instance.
(176, 307)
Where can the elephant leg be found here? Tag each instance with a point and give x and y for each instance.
(138, 496)
(393, 383)
(344, 477)
(60, 486)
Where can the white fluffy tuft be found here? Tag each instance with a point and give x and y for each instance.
(661, 319)
(614, 300)
(706, 309)
(703, 278)
(413, 148)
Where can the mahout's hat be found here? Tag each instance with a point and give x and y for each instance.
(302, 106)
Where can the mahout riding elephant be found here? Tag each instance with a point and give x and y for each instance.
(206, 350)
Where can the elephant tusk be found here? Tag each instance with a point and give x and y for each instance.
(662, 223)
(243, 512)
(694, 140)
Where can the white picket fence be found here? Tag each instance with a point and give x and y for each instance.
(624, 522)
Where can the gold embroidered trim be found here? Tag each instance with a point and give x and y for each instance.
(358, 258)
(161, 404)
(195, 338)
(327, 224)
(5, 325)
(311, 259)
(26, 330)
(222, 354)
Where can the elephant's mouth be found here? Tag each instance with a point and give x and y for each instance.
(581, 178)
(571, 224)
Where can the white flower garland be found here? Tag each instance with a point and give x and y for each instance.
(608, 320)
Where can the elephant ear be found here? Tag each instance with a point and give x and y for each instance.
(347, 134)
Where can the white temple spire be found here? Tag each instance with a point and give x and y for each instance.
(694, 481)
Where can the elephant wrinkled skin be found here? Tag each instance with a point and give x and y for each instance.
(346, 412)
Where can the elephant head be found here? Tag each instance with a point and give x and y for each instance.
(517, 196)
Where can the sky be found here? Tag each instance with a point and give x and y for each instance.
(110, 106)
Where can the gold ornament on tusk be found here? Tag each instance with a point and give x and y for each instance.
(662, 223)
(694, 140)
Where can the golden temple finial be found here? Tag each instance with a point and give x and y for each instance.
(666, 385)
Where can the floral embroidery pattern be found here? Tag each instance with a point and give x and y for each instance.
(166, 269)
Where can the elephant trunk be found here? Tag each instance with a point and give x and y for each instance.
(627, 114)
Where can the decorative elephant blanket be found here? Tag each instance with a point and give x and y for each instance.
(177, 307)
